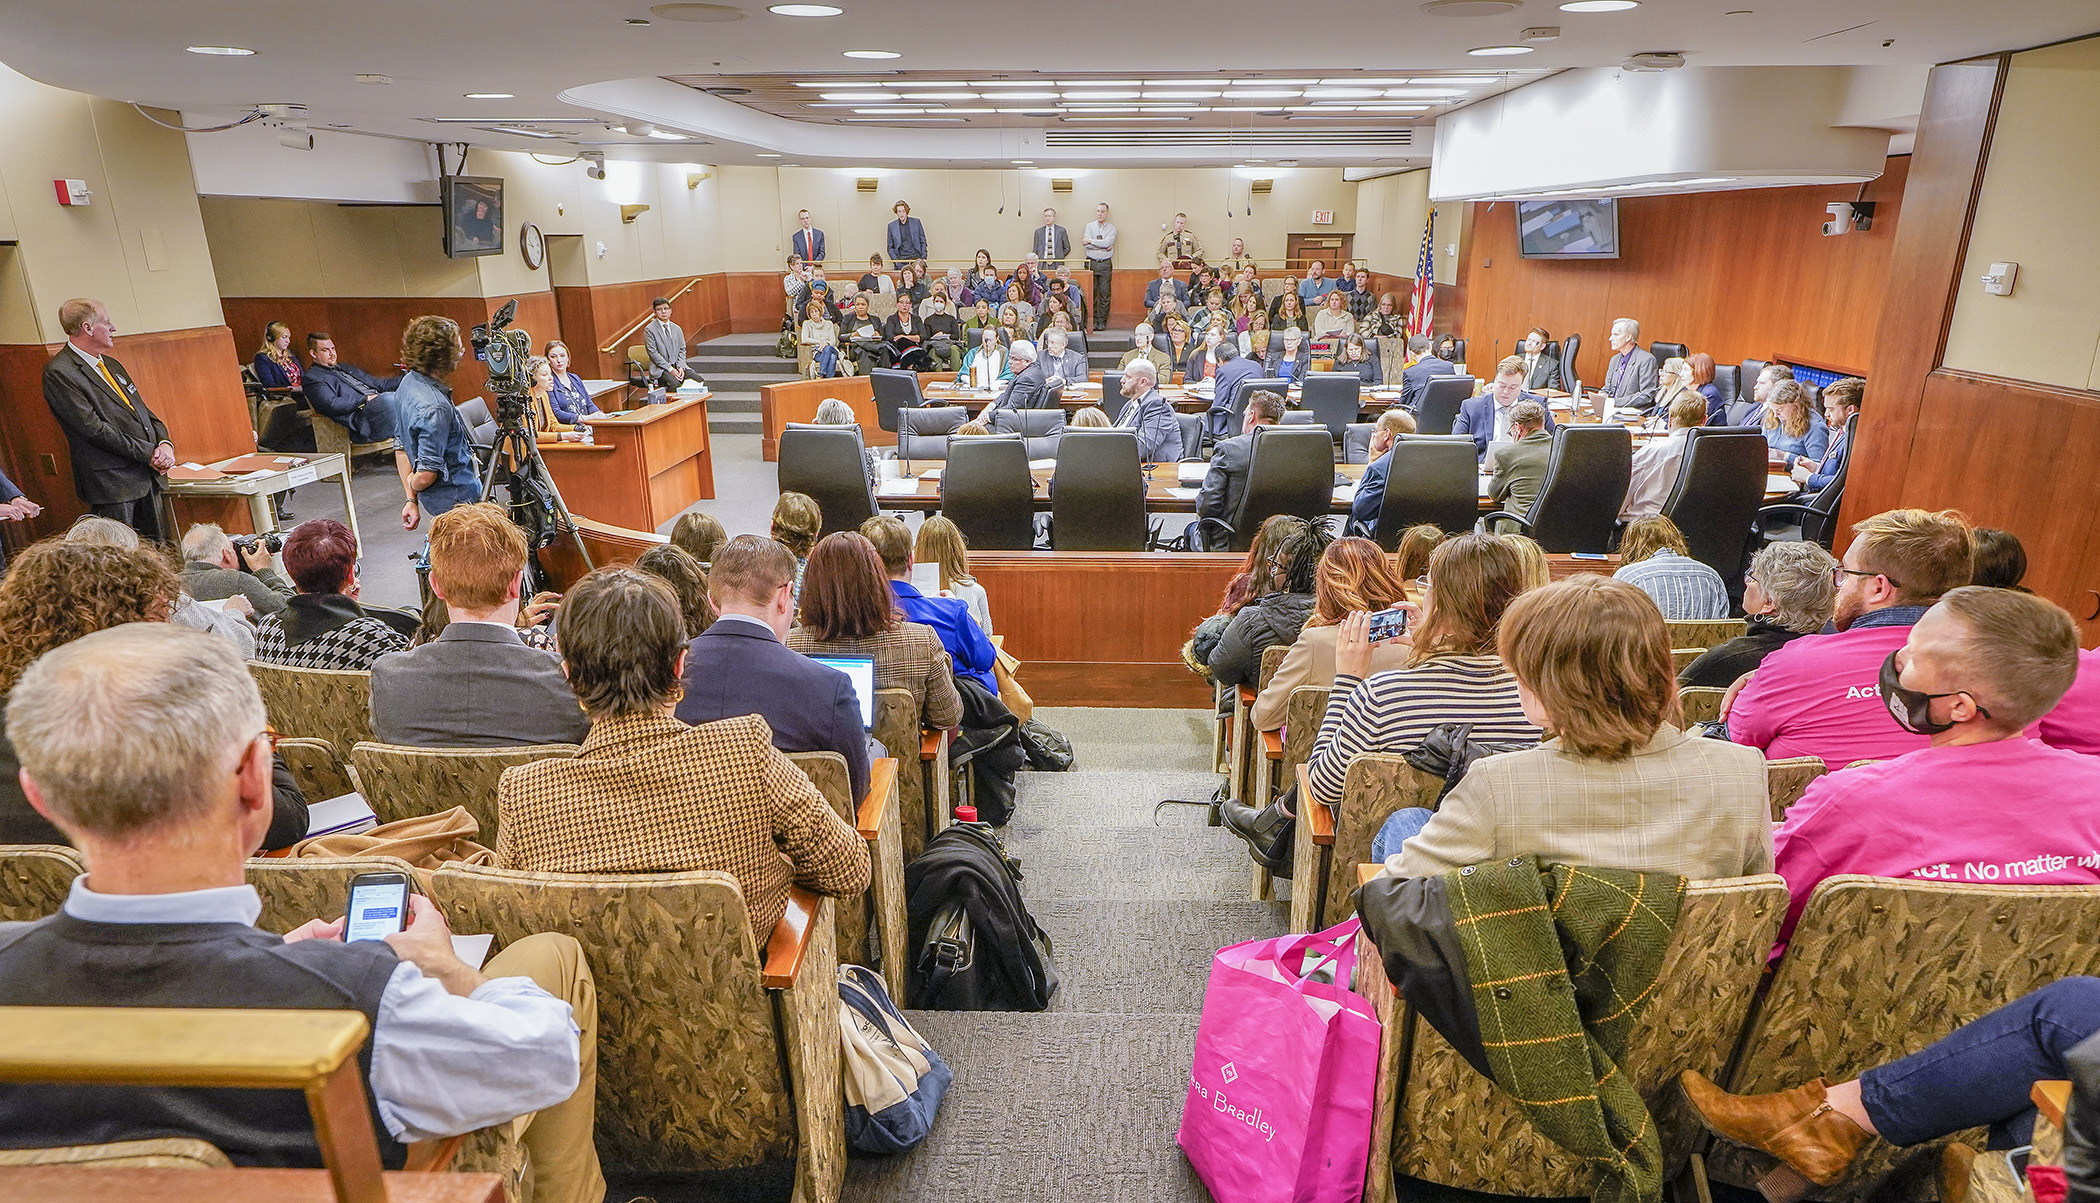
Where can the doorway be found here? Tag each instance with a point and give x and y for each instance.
(568, 276)
(1300, 250)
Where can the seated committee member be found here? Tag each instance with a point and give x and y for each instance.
(1657, 461)
(1619, 785)
(1771, 376)
(1518, 466)
(968, 646)
(434, 458)
(322, 626)
(648, 794)
(212, 569)
(1792, 426)
(1353, 576)
(1141, 348)
(274, 364)
(1787, 593)
(1028, 388)
(940, 542)
(361, 402)
(1233, 372)
(906, 237)
(1062, 366)
(986, 367)
(476, 685)
(569, 397)
(1370, 490)
(1655, 559)
(1421, 368)
(146, 745)
(1841, 400)
(1226, 480)
(1147, 412)
(669, 366)
(848, 610)
(1975, 672)
(1488, 417)
(119, 449)
(1820, 695)
(741, 665)
(1294, 359)
(1673, 379)
(1541, 366)
(1278, 616)
(1702, 366)
(1179, 244)
(1629, 375)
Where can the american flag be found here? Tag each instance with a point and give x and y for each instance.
(1421, 311)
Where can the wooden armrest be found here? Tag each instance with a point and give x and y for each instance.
(2051, 1098)
(1365, 872)
(882, 786)
(1272, 744)
(1246, 696)
(999, 642)
(930, 744)
(790, 940)
(1318, 819)
(135, 1046)
(433, 1156)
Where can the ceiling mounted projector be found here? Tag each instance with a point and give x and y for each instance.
(1653, 60)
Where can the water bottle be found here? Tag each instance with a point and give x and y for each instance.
(589, 436)
(966, 814)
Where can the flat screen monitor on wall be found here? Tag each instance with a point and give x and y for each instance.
(473, 207)
(1568, 229)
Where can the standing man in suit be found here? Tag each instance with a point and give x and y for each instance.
(1630, 377)
(1230, 461)
(1414, 378)
(1147, 412)
(1541, 366)
(1179, 245)
(906, 241)
(1098, 240)
(120, 450)
(1841, 400)
(1051, 244)
(808, 242)
(1370, 491)
(742, 664)
(1520, 466)
(362, 402)
(1491, 417)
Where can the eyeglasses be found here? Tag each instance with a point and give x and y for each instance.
(1839, 573)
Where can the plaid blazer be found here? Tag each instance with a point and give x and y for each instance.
(648, 794)
(907, 656)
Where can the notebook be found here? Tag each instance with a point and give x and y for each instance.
(347, 814)
(861, 671)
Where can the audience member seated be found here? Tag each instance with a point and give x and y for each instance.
(848, 610)
(984, 278)
(1976, 671)
(1279, 617)
(1820, 695)
(648, 794)
(876, 282)
(1630, 373)
(1016, 309)
(1180, 343)
(547, 428)
(1702, 366)
(1226, 479)
(1091, 417)
(1333, 320)
(1657, 461)
(1294, 359)
(1787, 593)
(1617, 785)
(1254, 340)
(1209, 356)
(906, 338)
(362, 402)
(275, 365)
(570, 398)
(820, 335)
(146, 746)
(1421, 368)
(1411, 559)
(969, 647)
(1357, 288)
(1518, 466)
(864, 340)
(2000, 559)
(1793, 427)
(212, 570)
(1841, 400)
(1354, 576)
(1289, 313)
(1062, 366)
(1537, 572)
(910, 289)
(1489, 416)
(985, 366)
(1165, 295)
(322, 625)
(1655, 559)
(676, 567)
(1141, 348)
(941, 542)
(1370, 488)
(1356, 357)
(230, 622)
(944, 335)
(1541, 366)
(1255, 579)
(797, 521)
(1313, 289)
(701, 534)
(981, 316)
(476, 685)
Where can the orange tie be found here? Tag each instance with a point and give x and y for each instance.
(114, 386)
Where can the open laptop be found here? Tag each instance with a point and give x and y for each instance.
(861, 671)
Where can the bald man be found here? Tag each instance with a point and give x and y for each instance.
(119, 448)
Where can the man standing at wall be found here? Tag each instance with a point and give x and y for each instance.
(1178, 245)
(906, 237)
(808, 242)
(120, 450)
(1051, 243)
(1099, 242)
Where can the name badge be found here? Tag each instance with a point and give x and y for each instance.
(305, 474)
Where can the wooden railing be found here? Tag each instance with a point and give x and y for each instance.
(626, 332)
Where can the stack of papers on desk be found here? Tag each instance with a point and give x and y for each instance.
(1184, 494)
(930, 474)
(895, 487)
(1778, 483)
(1192, 473)
(1041, 465)
(1345, 492)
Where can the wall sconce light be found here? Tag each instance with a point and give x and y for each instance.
(692, 179)
(629, 212)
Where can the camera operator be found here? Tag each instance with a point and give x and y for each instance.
(214, 566)
(435, 459)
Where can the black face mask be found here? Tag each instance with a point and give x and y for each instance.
(1911, 708)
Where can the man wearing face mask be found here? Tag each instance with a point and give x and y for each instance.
(1820, 695)
(1980, 802)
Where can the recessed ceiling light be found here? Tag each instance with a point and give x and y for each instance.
(873, 54)
(804, 10)
(1132, 117)
(228, 51)
(1181, 95)
(1494, 51)
(1021, 162)
(844, 83)
(666, 135)
(766, 154)
(1422, 93)
(488, 96)
(1100, 83)
(1599, 6)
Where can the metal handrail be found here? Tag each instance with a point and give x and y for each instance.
(627, 331)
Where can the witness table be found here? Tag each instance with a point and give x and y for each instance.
(258, 478)
(643, 468)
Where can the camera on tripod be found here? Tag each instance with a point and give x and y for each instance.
(505, 354)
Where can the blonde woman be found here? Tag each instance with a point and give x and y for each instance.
(1254, 340)
(1093, 417)
(1792, 425)
(1334, 318)
(796, 523)
(941, 542)
(548, 428)
(1537, 571)
(275, 365)
(1289, 311)
(1389, 326)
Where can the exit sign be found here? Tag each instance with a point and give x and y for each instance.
(1323, 217)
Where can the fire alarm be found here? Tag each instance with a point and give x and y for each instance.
(72, 192)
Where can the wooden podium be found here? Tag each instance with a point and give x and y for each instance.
(644, 467)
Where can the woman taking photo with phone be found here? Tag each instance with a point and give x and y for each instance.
(1354, 576)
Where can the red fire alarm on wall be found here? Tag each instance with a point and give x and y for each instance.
(71, 192)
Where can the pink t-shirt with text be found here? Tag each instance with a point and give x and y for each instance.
(2075, 723)
(1820, 695)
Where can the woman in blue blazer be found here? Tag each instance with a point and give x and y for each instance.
(570, 399)
(275, 365)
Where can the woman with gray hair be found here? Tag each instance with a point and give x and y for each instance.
(1786, 594)
(833, 412)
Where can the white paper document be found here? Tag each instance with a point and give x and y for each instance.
(1193, 473)
(1184, 494)
(907, 487)
(344, 815)
(474, 950)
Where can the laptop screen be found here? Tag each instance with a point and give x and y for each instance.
(861, 671)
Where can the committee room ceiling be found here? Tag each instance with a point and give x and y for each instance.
(552, 75)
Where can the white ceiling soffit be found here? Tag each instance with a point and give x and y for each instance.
(1600, 131)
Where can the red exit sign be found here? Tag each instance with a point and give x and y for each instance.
(1323, 217)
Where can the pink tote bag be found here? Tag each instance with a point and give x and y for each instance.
(1286, 1066)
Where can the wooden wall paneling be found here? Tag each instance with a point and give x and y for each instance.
(745, 303)
(797, 401)
(579, 328)
(367, 330)
(537, 316)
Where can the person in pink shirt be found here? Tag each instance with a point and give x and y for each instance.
(1981, 802)
(1820, 695)
(2075, 723)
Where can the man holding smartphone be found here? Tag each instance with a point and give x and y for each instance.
(145, 745)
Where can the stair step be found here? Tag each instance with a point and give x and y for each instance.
(1143, 955)
(1189, 864)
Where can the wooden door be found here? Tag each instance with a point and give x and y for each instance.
(1299, 250)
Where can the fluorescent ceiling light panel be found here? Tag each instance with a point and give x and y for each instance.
(522, 133)
(1499, 51)
(940, 95)
(860, 96)
(1100, 83)
(1101, 95)
(1341, 93)
(664, 135)
(1422, 93)
(1272, 83)
(892, 109)
(872, 54)
(1133, 117)
(1353, 82)
(487, 96)
(1024, 96)
(844, 83)
(1599, 6)
(804, 10)
(221, 51)
(1264, 94)
(1182, 95)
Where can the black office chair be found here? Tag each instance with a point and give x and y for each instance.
(1816, 518)
(1458, 350)
(1441, 402)
(1236, 410)
(1552, 345)
(825, 464)
(1356, 442)
(1667, 351)
(1430, 479)
(1570, 347)
(481, 424)
(922, 434)
(1040, 429)
(1334, 398)
(1292, 472)
(1746, 378)
(1097, 494)
(1112, 401)
(1728, 380)
(987, 492)
(1720, 485)
(1191, 435)
(1577, 507)
(894, 390)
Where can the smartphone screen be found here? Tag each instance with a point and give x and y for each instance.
(378, 908)
(1385, 624)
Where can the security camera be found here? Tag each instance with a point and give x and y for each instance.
(1846, 217)
(594, 164)
(295, 138)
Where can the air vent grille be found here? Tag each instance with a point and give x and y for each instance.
(1229, 139)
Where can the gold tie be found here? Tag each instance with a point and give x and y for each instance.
(114, 386)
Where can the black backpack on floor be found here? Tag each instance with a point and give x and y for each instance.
(974, 946)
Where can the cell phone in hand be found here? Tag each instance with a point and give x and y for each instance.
(1387, 624)
(378, 906)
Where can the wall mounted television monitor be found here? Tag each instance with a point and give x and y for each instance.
(1568, 229)
(473, 208)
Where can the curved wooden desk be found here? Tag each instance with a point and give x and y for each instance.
(645, 467)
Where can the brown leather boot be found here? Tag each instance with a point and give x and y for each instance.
(1956, 1160)
(1797, 1126)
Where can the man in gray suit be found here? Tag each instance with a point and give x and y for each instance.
(1230, 462)
(1520, 465)
(476, 685)
(1630, 376)
(665, 342)
(1051, 243)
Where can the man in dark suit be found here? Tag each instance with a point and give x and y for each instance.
(1230, 462)
(1841, 400)
(906, 240)
(1232, 373)
(1487, 417)
(476, 685)
(1165, 289)
(1630, 375)
(1051, 243)
(1541, 365)
(1029, 388)
(120, 449)
(362, 402)
(1370, 491)
(1147, 412)
(808, 242)
(742, 665)
(1414, 378)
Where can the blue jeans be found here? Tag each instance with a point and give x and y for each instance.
(1400, 827)
(1979, 1074)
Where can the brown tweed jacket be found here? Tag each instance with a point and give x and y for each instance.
(648, 794)
(907, 656)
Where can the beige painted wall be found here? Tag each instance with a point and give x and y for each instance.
(139, 246)
(1390, 211)
(283, 248)
(2037, 209)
